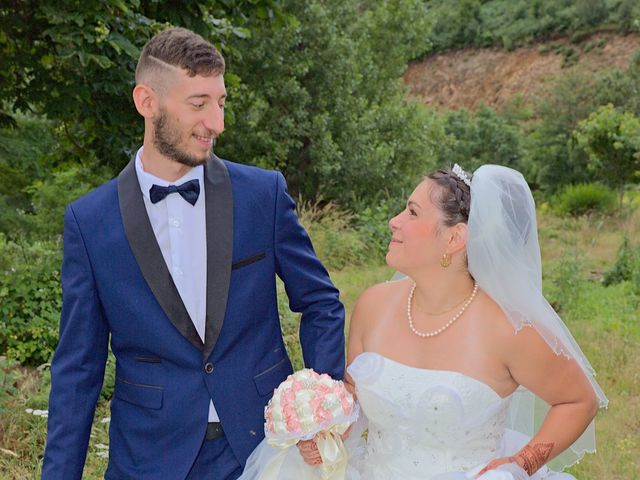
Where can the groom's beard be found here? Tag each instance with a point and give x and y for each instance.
(166, 139)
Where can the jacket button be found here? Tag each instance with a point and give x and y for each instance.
(208, 367)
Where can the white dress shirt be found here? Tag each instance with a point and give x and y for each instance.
(180, 229)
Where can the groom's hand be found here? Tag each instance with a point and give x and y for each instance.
(309, 451)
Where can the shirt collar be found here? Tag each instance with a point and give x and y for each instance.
(147, 180)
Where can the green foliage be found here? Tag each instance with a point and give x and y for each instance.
(620, 86)
(74, 62)
(22, 148)
(585, 198)
(567, 282)
(109, 383)
(8, 380)
(335, 240)
(626, 266)
(478, 138)
(322, 102)
(50, 196)
(553, 157)
(511, 23)
(30, 300)
(290, 326)
(612, 140)
(373, 224)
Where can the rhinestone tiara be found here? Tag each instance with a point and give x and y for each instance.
(461, 174)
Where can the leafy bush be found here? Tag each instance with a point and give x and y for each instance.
(50, 196)
(511, 23)
(480, 137)
(336, 241)
(21, 150)
(567, 282)
(290, 326)
(8, 379)
(585, 198)
(30, 300)
(626, 266)
(612, 140)
(373, 225)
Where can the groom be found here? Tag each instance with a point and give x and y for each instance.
(175, 262)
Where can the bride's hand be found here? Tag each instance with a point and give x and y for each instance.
(505, 464)
(347, 432)
(309, 451)
(493, 464)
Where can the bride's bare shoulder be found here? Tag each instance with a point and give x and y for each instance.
(380, 297)
(491, 319)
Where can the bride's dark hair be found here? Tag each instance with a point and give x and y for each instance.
(454, 197)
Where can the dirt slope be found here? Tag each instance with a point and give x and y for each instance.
(465, 78)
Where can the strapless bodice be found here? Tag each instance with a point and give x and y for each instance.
(424, 422)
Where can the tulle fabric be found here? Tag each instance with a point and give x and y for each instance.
(504, 258)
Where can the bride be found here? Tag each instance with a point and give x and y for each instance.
(452, 363)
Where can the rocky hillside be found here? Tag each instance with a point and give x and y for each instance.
(466, 78)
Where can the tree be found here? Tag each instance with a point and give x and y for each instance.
(612, 140)
(480, 137)
(322, 101)
(552, 154)
(74, 62)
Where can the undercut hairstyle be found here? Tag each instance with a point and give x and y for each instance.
(453, 198)
(177, 48)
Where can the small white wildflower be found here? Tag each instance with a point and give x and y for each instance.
(105, 420)
(29, 410)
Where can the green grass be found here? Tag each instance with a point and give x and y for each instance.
(604, 320)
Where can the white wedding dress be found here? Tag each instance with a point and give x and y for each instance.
(427, 424)
(415, 424)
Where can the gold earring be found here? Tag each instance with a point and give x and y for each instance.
(445, 261)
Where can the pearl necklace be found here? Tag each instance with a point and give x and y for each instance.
(446, 325)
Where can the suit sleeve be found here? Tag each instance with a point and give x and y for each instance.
(309, 289)
(77, 369)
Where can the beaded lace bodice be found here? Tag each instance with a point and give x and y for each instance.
(424, 422)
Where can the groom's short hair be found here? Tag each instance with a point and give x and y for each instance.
(181, 48)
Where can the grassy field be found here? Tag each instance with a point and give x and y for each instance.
(576, 253)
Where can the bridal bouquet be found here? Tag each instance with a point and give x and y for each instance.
(306, 405)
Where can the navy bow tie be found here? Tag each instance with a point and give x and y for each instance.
(188, 190)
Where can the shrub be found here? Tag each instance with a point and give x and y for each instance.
(30, 300)
(336, 241)
(626, 266)
(567, 282)
(585, 198)
(290, 326)
(50, 196)
(373, 226)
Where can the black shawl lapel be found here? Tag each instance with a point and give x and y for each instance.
(219, 214)
(147, 252)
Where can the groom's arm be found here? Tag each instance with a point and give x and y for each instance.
(309, 289)
(77, 369)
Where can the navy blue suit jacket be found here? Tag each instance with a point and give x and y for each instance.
(116, 286)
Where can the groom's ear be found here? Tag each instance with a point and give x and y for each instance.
(144, 98)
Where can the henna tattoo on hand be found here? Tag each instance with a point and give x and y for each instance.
(532, 457)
